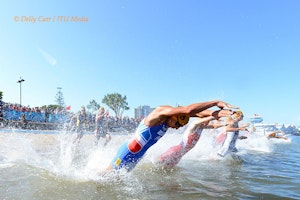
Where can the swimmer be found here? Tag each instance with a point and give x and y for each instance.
(275, 135)
(155, 125)
(231, 132)
(190, 138)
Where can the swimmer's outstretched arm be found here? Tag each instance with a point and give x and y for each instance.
(242, 128)
(215, 113)
(208, 115)
(162, 113)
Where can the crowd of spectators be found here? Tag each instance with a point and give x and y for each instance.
(26, 117)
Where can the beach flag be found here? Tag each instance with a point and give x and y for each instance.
(68, 108)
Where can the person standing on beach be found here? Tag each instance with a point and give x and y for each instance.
(81, 120)
(101, 126)
(154, 126)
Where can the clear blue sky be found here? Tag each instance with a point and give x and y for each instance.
(159, 52)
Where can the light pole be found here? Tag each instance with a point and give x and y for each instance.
(20, 81)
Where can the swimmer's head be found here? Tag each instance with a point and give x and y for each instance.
(183, 119)
(237, 114)
(101, 109)
(177, 121)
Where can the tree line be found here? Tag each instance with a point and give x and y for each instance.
(115, 101)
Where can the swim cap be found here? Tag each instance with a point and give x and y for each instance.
(237, 114)
(183, 119)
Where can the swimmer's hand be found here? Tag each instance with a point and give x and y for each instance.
(224, 105)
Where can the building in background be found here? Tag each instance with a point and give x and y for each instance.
(142, 111)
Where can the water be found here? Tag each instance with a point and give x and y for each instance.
(50, 166)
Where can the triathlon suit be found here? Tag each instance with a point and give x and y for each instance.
(130, 153)
(229, 143)
(172, 157)
(101, 131)
(79, 129)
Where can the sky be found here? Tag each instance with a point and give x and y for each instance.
(158, 52)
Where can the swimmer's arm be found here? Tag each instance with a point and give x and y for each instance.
(209, 125)
(229, 128)
(162, 113)
(214, 126)
(215, 113)
(193, 110)
(158, 115)
(203, 120)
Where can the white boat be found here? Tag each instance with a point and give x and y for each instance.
(261, 128)
(256, 119)
(264, 129)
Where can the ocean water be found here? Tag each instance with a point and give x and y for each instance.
(45, 166)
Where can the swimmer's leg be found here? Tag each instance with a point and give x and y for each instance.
(171, 157)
